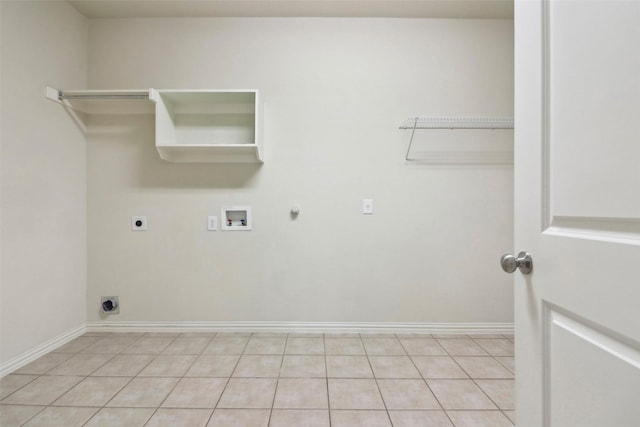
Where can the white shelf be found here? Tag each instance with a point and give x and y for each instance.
(454, 155)
(194, 126)
(185, 153)
(458, 123)
(208, 126)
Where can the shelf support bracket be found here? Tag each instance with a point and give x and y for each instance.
(413, 132)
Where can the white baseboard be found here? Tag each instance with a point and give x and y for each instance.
(304, 327)
(31, 355)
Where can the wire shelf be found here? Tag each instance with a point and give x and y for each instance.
(414, 123)
(458, 123)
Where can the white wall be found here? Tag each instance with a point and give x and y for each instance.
(335, 91)
(43, 268)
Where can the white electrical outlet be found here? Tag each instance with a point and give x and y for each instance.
(367, 206)
(139, 223)
(212, 223)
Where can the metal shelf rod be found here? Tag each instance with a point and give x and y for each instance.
(102, 95)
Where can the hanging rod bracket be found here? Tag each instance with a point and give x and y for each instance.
(53, 94)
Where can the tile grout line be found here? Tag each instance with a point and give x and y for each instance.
(326, 376)
(150, 362)
(480, 387)
(50, 405)
(113, 356)
(474, 379)
(104, 405)
(425, 380)
(225, 384)
(155, 356)
(229, 377)
(275, 392)
(375, 378)
(467, 373)
(108, 400)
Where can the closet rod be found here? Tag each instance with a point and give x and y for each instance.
(62, 95)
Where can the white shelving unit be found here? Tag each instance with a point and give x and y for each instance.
(208, 126)
(196, 126)
(452, 123)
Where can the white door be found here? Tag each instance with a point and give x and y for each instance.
(577, 192)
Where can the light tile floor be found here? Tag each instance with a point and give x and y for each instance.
(261, 379)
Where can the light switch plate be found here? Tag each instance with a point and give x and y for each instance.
(367, 206)
(212, 223)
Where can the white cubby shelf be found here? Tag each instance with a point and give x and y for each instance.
(208, 126)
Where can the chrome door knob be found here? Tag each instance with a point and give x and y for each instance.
(524, 262)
